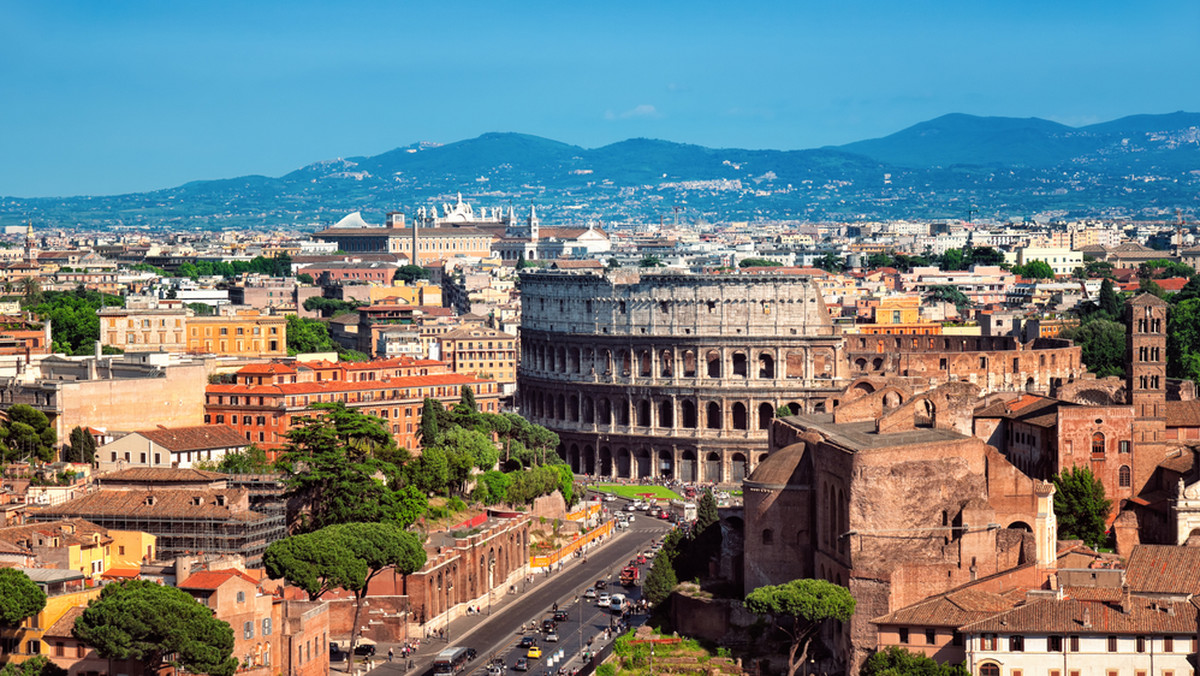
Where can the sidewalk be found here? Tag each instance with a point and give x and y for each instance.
(460, 629)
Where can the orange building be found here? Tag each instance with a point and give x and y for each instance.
(481, 351)
(245, 333)
(896, 316)
(264, 399)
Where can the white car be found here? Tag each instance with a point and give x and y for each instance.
(610, 498)
(632, 507)
(551, 637)
(602, 602)
(590, 593)
(643, 506)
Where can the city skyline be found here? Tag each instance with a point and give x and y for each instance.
(142, 96)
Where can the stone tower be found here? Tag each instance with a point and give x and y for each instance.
(534, 224)
(1146, 373)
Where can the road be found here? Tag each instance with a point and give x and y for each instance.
(496, 635)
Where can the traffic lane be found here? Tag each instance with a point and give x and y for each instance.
(570, 639)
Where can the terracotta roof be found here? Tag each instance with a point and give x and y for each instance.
(122, 573)
(156, 504)
(62, 628)
(163, 474)
(1183, 413)
(1069, 616)
(19, 539)
(212, 579)
(1164, 569)
(1108, 594)
(332, 386)
(1172, 284)
(953, 609)
(577, 265)
(1028, 408)
(197, 438)
(273, 367)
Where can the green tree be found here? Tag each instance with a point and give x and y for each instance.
(38, 665)
(20, 597)
(896, 661)
(348, 556)
(953, 259)
(431, 413)
(308, 335)
(1080, 506)
(305, 278)
(1034, 270)
(661, 580)
(1183, 339)
(984, 255)
(411, 273)
(146, 621)
(830, 262)
(253, 460)
(332, 469)
(1110, 300)
(521, 262)
(29, 433)
(949, 294)
(806, 605)
(74, 324)
(706, 510)
(82, 447)
(1102, 346)
(757, 263)
(467, 398)
(651, 261)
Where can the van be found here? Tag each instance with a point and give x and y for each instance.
(618, 603)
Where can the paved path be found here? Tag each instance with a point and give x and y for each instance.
(495, 635)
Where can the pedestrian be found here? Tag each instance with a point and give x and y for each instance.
(391, 653)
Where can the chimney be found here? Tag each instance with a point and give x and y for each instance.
(1087, 617)
(1126, 599)
(98, 350)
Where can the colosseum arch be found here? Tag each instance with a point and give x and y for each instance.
(623, 412)
(712, 468)
(644, 364)
(624, 462)
(924, 412)
(626, 363)
(573, 409)
(737, 468)
(689, 364)
(666, 413)
(794, 361)
(766, 365)
(562, 408)
(606, 362)
(687, 414)
(573, 458)
(765, 413)
(741, 420)
(687, 466)
(604, 411)
(589, 460)
(860, 365)
(664, 464)
(712, 418)
(573, 363)
(666, 363)
(877, 364)
(560, 360)
(589, 411)
(642, 457)
(643, 413)
(606, 461)
(712, 359)
(741, 365)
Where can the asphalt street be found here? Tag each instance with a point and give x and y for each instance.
(495, 634)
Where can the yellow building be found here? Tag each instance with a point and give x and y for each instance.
(245, 333)
(482, 352)
(898, 315)
(64, 589)
(420, 294)
(75, 544)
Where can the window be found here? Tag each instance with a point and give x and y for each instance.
(1123, 445)
(1112, 644)
(1016, 644)
(120, 550)
(247, 627)
(1124, 477)
(266, 626)
(1074, 644)
(1098, 445)
(989, 670)
(768, 536)
(1141, 644)
(930, 637)
(988, 642)
(904, 634)
(241, 597)
(1168, 644)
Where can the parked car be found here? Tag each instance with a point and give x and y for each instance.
(610, 498)
(664, 515)
(521, 664)
(364, 649)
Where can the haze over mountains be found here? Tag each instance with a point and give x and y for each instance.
(1142, 166)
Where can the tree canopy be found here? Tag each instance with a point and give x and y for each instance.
(1080, 506)
(949, 294)
(74, 324)
(896, 661)
(411, 273)
(20, 597)
(1102, 346)
(82, 447)
(28, 433)
(275, 266)
(757, 263)
(806, 604)
(38, 665)
(661, 579)
(348, 556)
(146, 621)
(1034, 270)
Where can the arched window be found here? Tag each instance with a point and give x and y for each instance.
(1124, 477)
(768, 536)
(714, 416)
(989, 670)
(1098, 445)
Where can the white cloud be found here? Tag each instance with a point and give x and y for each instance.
(645, 110)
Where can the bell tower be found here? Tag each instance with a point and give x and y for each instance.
(1146, 382)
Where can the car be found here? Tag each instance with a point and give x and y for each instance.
(364, 649)
(334, 649)
(610, 498)
(521, 664)
(664, 515)
(632, 507)
(528, 641)
(643, 506)
(551, 637)
(641, 558)
(560, 615)
(603, 601)
(533, 653)
(589, 593)
(548, 625)
(494, 670)
(652, 512)
(601, 584)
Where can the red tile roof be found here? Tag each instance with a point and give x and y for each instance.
(1069, 616)
(197, 438)
(334, 386)
(1164, 569)
(212, 579)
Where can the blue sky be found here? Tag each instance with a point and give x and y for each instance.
(111, 97)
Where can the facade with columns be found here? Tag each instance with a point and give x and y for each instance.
(648, 374)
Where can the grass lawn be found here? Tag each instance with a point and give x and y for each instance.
(635, 492)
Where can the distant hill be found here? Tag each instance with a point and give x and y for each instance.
(1142, 165)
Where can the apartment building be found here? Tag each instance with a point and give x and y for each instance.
(481, 351)
(240, 333)
(265, 399)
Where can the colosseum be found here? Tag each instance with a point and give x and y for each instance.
(651, 373)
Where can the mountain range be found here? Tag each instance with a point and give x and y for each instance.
(1137, 166)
